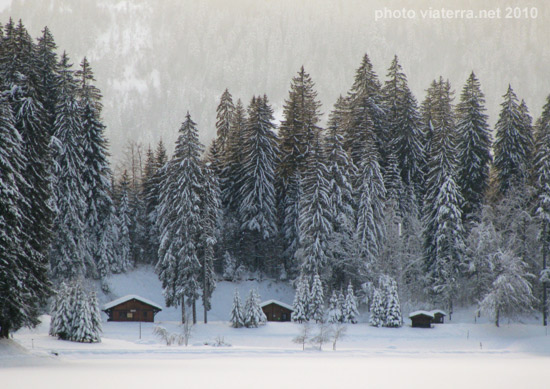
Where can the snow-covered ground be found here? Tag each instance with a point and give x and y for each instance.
(458, 354)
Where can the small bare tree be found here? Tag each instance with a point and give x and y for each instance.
(338, 332)
(304, 335)
(323, 336)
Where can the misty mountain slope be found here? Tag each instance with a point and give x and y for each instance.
(155, 60)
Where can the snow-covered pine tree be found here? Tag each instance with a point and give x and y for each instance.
(371, 192)
(181, 220)
(377, 312)
(368, 114)
(297, 134)
(341, 172)
(229, 267)
(60, 313)
(405, 127)
(76, 314)
(315, 217)
(300, 305)
(46, 67)
(209, 236)
(224, 120)
(123, 257)
(96, 174)
(254, 316)
(510, 293)
(541, 165)
(233, 161)
(237, 314)
(68, 251)
(340, 306)
(299, 128)
(513, 144)
(392, 307)
(83, 325)
(443, 231)
(290, 226)
(154, 170)
(19, 298)
(334, 309)
(473, 147)
(257, 208)
(317, 300)
(349, 310)
(20, 82)
(482, 242)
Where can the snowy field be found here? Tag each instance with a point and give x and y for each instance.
(460, 354)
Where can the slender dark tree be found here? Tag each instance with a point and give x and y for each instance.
(404, 127)
(257, 210)
(368, 114)
(513, 144)
(69, 257)
(473, 147)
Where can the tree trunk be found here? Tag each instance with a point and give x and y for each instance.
(182, 309)
(194, 312)
(4, 331)
(205, 315)
(497, 318)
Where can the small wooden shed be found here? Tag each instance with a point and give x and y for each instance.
(276, 311)
(131, 308)
(421, 319)
(439, 316)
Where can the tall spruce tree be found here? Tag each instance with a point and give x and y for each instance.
(257, 217)
(23, 282)
(369, 227)
(299, 130)
(315, 217)
(368, 114)
(513, 144)
(224, 120)
(340, 174)
(69, 257)
(181, 218)
(473, 147)
(443, 230)
(96, 174)
(124, 244)
(404, 127)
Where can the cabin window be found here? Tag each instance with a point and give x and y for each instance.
(130, 315)
(145, 314)
(283, 317)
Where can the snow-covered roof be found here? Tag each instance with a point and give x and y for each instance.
(435, 311)
(418, 313)
(129, 297)
(276, 302)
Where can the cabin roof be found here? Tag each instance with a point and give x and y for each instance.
(421, 313)
(129, 297)
(438, 311)
(265, 303)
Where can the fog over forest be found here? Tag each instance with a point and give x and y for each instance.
(155, 60)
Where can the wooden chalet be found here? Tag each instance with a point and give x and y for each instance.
(421, 319)
(131, 308)
(439, 316)
(276, 311)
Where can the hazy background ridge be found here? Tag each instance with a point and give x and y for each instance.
(156, 59)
